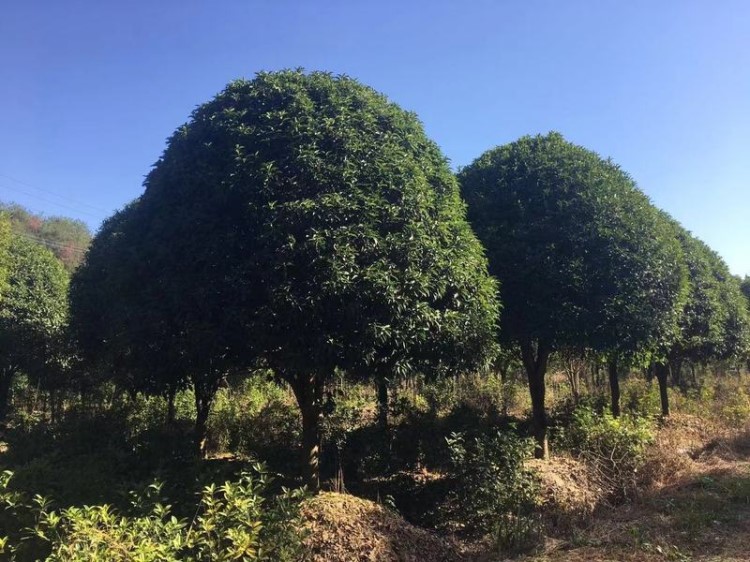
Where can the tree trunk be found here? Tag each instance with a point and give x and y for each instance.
(203, 399)
(596, 376)
(694, 376)
(575, 385)
(614, 387)
(675, 367)
(383, 404)
(502, 369)
(170, 405)
(309, 394)
(53, 405)
(661, 372)
(536, 368)
(6, 378)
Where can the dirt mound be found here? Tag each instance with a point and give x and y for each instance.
(731, 447)
(684, 442)
(568, 494)
(685, 433)
(349, 529)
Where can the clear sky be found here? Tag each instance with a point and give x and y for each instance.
(90, 90)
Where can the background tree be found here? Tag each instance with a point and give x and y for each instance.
(745, 287)
(582, 257)
(122, 318)
(67, 238)
(305, 222)
(33, 313)
(713, 324)
(5, 241)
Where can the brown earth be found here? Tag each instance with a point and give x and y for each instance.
(694, 502)
(349, 529)
(694, 505)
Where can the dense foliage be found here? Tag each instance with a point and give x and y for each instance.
(583, 258)
(233, 521)
(33, 314)
(493, 491)
(714, 321)
(613, 448)
(67, 238)
(304, 222)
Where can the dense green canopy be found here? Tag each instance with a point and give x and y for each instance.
(714, 321)
(120, 314)
(304, 221)
(583, 258)
(33, 312)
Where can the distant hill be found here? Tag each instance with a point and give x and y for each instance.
(67, 238)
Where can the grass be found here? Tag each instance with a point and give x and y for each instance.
(693, 495)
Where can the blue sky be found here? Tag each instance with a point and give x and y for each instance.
(91, 90)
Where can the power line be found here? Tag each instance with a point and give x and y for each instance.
(50, 192)
(52, 243)
(63, 205)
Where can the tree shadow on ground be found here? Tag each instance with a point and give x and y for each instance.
(90, 459)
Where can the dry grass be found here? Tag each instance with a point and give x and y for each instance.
(569, 496)
(349, 529)
(694, 502)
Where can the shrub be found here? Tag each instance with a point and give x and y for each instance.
(564, 411)
(735, 409)
(440, 395)
(492, 491)
(641, 398)
(342, 416)
(614, 448)
(232, 522)
(481, 393)
(235, 423)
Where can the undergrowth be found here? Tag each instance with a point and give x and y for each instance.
(233, 521)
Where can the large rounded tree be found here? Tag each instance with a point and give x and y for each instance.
(305, 222)
(583, 258)
(120, 317)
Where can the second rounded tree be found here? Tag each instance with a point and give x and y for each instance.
(583, 258)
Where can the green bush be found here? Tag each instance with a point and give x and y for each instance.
(614, 448)
(234, 521)
(492, 491)
(481, 393)
(735, 408)
(343, 415)
(440, 395)
(641, 398)
(236, 420)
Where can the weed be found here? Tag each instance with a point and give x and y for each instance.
(493, 492)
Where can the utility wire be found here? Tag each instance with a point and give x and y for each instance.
(50, 192)
(63, 205)
(53, 243)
